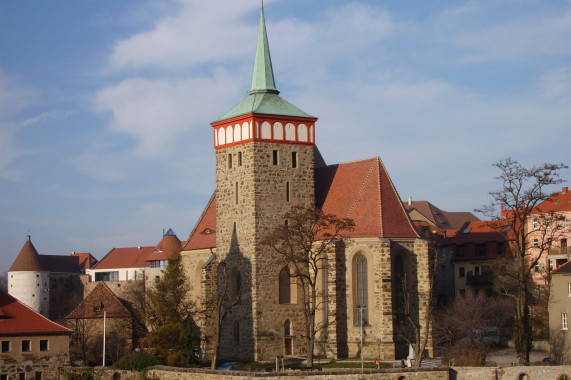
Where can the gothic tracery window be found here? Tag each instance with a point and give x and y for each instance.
(361, 301)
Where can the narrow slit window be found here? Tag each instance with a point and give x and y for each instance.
(236, 192)
(275, 157)
(230, 161)
(294, 159)
(239, 158)
(287, 192)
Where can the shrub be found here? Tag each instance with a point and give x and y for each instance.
(137, 361)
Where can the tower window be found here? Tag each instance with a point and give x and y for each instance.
(275, 157)
(230, 161)
(236, 192)
(287, 192)
(294, 159)
(239, 158)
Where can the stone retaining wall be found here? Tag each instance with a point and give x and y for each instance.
(169, 373)
(510, 373)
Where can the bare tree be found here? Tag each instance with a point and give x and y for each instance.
(468, 327)
(522, 191)
(81, 339)
(559, 347)
(222, 307)
(422, 327)
(302, 244)
(4, 282)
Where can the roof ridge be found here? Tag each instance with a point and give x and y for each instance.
(365, 181)
(400, 204)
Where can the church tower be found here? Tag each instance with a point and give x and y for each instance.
(264, 167)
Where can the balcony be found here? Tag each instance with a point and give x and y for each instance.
(479, 279)
(558, 253)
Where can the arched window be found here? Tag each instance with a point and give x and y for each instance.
(288, 338)
(235, 284)
(236, 333)
(361, 301)
(284, 286)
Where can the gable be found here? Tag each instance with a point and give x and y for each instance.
(100, 300)
(363, 191)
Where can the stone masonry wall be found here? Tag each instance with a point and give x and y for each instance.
(252, 199)
(48, 367)
(165, 373)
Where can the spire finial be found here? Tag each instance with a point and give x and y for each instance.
(263, 76)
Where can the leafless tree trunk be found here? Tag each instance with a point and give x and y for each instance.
(303, 244)
(521, 193)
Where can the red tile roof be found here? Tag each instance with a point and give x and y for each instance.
(363, 191)
(18, 319)
(440, 218)
(130, 257)
(360, 190)
(101, 299)
(168, 246)
(86, 260)
(27, 260)
(204, 234)
(560, 201)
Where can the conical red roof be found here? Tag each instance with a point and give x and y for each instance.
(28, 259)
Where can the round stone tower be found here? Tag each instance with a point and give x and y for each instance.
(28, 281)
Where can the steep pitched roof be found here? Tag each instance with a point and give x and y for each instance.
(169, 245)
(204, 233)
(440, 218)
(27, 260)
(86, 260)
(101, 299)
(18, 319)
(363, 191)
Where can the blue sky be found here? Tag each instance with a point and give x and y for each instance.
(105, 105)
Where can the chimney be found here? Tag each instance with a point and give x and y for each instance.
(565, 189)
(409, 201)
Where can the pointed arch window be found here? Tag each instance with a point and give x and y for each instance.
(288, 338)
(361, 300)
(236, 333)
(285, 286)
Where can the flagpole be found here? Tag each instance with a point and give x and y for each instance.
(104, 316)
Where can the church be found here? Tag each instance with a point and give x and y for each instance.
(267, 162)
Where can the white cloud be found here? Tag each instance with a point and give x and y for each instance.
(482, 37)
(202, 31)
(157, 111)
(14, 98)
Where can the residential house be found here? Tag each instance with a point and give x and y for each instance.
(433, 223)
(549, 227)
(136, 263)
(102, 310)
(475, 249)
(32, 346)
(559, 313)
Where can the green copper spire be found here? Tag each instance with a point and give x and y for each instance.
(263, 77)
